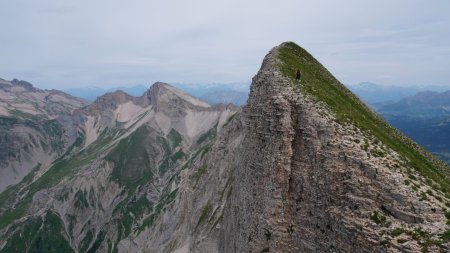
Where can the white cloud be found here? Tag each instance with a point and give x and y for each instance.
(56, 43)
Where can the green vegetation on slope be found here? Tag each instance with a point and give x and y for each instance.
(54, 130)
(61, 168)
(39, 235)
(81, 199)
(169, 145)
(204, 214)
(175, 138)
(97, 242)
(132, 159)
(84, 245)
(163, 202)
(131, 213)
(321, 85)
(209, 135)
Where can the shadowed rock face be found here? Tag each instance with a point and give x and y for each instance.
(296, 170)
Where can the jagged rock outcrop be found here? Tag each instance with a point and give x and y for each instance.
(303, 167)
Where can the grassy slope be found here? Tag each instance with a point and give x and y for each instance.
(38, 235)
(322, 86)
(132, 160)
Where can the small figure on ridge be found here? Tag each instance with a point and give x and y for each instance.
(298, 75)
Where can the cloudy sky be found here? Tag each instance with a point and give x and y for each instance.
(104, 43)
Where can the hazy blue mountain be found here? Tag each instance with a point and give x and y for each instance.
(91, 93)
(373, 93)
(426, 104)
(225, 97)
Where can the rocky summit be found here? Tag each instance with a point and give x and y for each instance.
(304, 166)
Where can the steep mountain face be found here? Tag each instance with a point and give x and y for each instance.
(115, 183)
(319, 172)
(32, 131)
(303, 167)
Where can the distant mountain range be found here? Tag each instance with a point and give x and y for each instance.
(426, 104)
(374, 94)
(424, 117)
(421, 113)
(91, 93)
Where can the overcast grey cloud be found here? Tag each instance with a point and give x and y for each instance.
(62, 43)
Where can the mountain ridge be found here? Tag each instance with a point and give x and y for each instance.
(22, 99)
(316, 194)
(304, 166)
